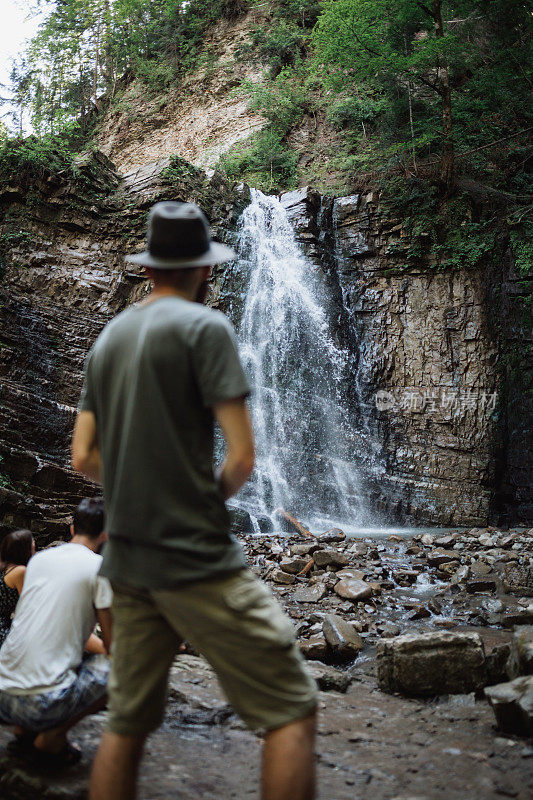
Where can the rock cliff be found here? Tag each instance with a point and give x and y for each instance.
(447, 444)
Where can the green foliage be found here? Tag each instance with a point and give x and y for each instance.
(179, 168)
(350, 112)
(264, 161)
(34, 157)
(444, 234)
(522, 247)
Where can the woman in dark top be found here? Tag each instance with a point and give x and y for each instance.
(15, 551)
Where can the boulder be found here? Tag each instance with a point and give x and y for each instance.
(486, 583)
(512, 704)
(309, 594)
(353, 589)
(328, 678)
(293, 564)
(430, 664)
(440, 556)
(285, 578)
(326, 558)
(315, 647)
(342, 638)
(521, 655)
(332, 535)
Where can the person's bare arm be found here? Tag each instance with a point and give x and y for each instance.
(234, 419)
(85, 451)
(105, 620)
(95, 645)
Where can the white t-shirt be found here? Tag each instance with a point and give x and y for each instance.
(54, 617)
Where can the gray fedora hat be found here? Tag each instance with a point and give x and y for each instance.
(178, 238)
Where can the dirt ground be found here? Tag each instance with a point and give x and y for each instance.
(371, 746)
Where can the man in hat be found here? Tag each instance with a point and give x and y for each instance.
(156, 379)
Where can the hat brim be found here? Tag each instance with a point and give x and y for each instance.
(217, 254)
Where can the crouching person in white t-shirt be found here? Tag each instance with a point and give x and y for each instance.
(47, 684)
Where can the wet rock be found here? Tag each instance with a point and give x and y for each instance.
(281, 577)
(521, 652)
(342, 638)
(440, 556)
(487, 583)
(241, 521)
(520, 616)
(302, 549)
(518, 578)
(431, 663)
(328, 678)
(325, 558)
(352, 589)
(356, 574)
(293, 564)
(309, 594)
(314, 647)
(512, 704)
(496, 664)
(389, 629)
(332, 535)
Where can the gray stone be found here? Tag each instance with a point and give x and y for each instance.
(342, 637)
(325, 558)
(487, 583)
(512, 704)
(352, 589)
(332, 535)
(521, 655)
(431, 663)
(440, 556)
(328, 678)
(314, 647)
(279, 576)
(309, 594)
(293, 564)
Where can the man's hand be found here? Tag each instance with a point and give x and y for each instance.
(234, 419)
(85, 452)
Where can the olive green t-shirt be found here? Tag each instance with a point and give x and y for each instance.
(151, 379)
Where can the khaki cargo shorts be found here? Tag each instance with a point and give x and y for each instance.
(237, 625)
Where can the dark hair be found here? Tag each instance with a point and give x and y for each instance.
(89, 517)
(16, 548)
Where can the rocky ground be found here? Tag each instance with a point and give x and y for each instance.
(359, 598)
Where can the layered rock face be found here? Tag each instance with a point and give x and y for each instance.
(425, 352)
(451, 438)
(63, 278)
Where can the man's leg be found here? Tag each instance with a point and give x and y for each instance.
(54, 740)
(289, 762)
(144, 646)
(116, 767)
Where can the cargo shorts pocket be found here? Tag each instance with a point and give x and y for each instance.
(257, 613)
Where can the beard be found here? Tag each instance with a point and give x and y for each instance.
(203, 290)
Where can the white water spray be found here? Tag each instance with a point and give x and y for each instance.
(306, 444)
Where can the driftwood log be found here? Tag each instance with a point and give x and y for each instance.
(294, 523)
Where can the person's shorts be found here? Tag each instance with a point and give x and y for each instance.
(39, 712)
(235, 623)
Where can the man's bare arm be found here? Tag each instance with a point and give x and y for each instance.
(234, 419)
(105, 620)
(85, 451)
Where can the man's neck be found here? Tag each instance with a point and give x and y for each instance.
(168, 291)
(86, 541)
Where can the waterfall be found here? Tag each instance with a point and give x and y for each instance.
(306, 445)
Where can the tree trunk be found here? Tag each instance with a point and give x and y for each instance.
(447, 165)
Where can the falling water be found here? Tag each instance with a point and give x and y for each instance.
(306, 447)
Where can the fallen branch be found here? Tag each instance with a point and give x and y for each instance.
(307, 568)
(293, 522)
